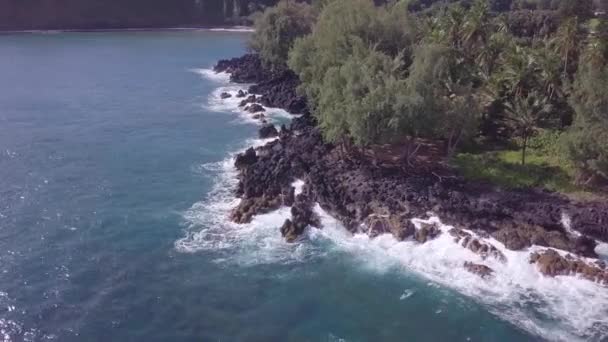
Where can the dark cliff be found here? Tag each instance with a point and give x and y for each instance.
(116, 14)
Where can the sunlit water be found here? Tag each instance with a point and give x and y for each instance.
(115, 181)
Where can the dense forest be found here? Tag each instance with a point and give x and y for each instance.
(515, 91)
(107, 14)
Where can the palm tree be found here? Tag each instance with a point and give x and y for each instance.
(525, 116)
(475, 26)
(451, 23)
(566, 41)
(596, 51)
(489, 53)
(518, 70)
(548, 73)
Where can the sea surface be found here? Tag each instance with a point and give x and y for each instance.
(115, 181)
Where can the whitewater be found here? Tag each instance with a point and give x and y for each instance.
(564, 308)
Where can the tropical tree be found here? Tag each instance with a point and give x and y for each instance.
(596, 49)
(548, 73)
(566, 41)
(476, 25)
(518, 71)
(277, 29)
(587, 140)
(525, 115)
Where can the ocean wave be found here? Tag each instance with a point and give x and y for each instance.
(233, 29)
(215, 103)
(211, 75)
(254, 243)
(561, 308)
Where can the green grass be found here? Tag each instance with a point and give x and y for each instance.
(504, 168)
(545, 167)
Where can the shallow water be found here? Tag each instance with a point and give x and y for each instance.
(115, 179)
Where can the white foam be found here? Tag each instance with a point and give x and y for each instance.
(299, 186)
(567, 224)
(258, 242)
(211, 75)
(231, 105)
(602, 250)
(233, 29)
(573, 308)
(407, 294)
(560, 308)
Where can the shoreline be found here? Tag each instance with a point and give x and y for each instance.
(374, 200)
(238, 28)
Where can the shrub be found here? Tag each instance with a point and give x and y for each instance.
(277, 29)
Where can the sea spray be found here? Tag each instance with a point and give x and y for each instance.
(561, 308)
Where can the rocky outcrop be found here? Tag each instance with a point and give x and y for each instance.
(551, 263)
(365, 195)
(356, 191)
(276, 89)
(469, 241)
(302, 216)
(244, 69)
(401, 227)
(246, 159)
(281, 92)
(255, 108)
(248, 100)
(268, 131)
(478, 269)
(426, 232)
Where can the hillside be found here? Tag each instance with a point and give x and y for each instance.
(112, 14)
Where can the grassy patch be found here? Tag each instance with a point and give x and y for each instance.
(504, 168)
(545, 167)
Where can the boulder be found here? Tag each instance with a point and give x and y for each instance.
(427, 232)
(248, 100)
(302, 216)
(289, 195)
(520, 236)
(246, 69)
(246, 159)
(551, 263)
(250, 207)
(290, 232)
(241, 93)
(476, 246)
(268, 131)
(255, 108)
(479, 269)
(225, 95)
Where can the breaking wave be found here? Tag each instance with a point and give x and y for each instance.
(560, 308)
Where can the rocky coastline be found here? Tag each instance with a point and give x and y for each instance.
(376, 199)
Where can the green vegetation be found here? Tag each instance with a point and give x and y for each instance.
(458, 72)
(277, 29)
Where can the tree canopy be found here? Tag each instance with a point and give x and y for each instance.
(386, 73)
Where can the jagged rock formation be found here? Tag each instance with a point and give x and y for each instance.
(357, 191)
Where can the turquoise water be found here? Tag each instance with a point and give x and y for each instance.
(114, 183)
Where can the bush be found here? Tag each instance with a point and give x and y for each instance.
(587, 140)
(277, 29)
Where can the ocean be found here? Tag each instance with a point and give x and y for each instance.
(116, 180)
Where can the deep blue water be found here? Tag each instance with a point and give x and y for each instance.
(110, 154)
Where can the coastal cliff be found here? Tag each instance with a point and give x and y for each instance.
(376, 198)
(93, 14)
